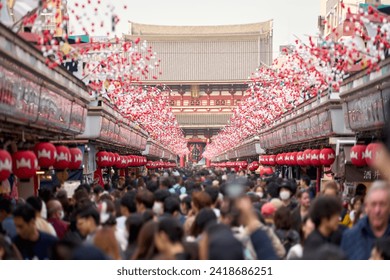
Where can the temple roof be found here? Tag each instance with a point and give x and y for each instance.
(215, 30)
(203, 120)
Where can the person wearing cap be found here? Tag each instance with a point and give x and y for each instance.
(268, 210)
(286, 191)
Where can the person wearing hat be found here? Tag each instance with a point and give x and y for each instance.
(267, 211)
(286, 192)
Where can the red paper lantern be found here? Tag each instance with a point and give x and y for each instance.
(327, 156)
(254, 165)
(279, 159)
(117, 160)
(300, 159)
(372, 153)
(307, 157)
(123, 162)
(5, 165)
(102, 159)
(76, 158)
(130, 161)
(315, 157)
(24, 164)
(293, 158)
(266, 160)
(272, 160)
(262, 159)
(149, 165)
(266, 171)
(46, 154)
(287, 159)
(358, 155)
(112, 158)
(63, 158)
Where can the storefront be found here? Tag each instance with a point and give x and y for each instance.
(37, 105)
(364, 98)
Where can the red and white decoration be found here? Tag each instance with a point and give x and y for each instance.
(307, 157)
(253, 166)
(76, 158)
(358, 155)
(5, 165)
(327, 156)
(103, 159)
(372, 153)
(46, 154)
(24, 164)
(272, 160)
(300, 159)
(315, 157)
(63, 158)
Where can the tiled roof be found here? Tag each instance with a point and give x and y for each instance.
(202, 120)
(207, 53)
(251, 28)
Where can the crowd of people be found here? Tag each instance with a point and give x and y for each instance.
(205, 214)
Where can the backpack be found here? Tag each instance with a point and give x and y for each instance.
(288, 238)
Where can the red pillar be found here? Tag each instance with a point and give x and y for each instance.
(208, 162)
(182, 162)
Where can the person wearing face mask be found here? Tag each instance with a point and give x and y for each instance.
(55, 217)
(259, 191)
(286, 192)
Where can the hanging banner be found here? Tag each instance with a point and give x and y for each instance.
(196, 151)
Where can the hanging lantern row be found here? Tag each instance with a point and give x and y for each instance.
(324, 157)
(253, 166)
(362, 155)
(160, 164)
(108, 159)
(232, 164)
(25, 164)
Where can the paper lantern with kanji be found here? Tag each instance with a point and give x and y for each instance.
(287, 158)
(46, 154)
(76, 158)
(262, 159)
(24, 164)
(266, 171)
(117, 160)
(272, 160)
(315, 157)
(358, 155)
(102, 159)
(372, 153)
(63, 158)
(279, 159)
(254, 165)
(112, 158)
(5, 165)
(293, 158)
(300, 159)
(266, 160)
(123, 163)
(307, 157)
(130, 161)
(327, 156)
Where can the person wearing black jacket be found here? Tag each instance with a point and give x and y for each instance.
(324, 213)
